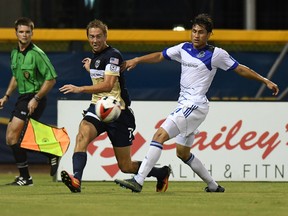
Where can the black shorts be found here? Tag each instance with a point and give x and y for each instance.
(120, 132)
(21, 107)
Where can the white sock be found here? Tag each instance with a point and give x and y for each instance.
(149, 161)
(197, 166)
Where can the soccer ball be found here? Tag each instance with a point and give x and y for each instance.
(108, 109)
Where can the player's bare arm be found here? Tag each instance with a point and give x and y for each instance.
(150, 58)
(247, 72)
(69, 88)
(105, 86)
(12, 86)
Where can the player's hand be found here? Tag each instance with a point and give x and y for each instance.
(129, 64)
(32, 105)
(2, 102)
(70, 89)
(86, 64)
(273, 87)
(123, 66)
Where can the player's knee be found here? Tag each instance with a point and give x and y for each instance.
(11, 139)
(81, 143)
(124, 169)
(161, 136)
(80, 137)
(183, 155)
(183, 152)
(180, 155)
(9, 143)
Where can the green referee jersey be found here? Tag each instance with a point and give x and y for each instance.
(31, 68)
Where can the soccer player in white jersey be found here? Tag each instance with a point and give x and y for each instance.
(199, 63)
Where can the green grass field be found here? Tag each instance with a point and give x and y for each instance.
(106, 198)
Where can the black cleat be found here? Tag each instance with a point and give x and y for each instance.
(20, 181)
(219, 189)
(162, 184)
(72, 183)
(131, 184)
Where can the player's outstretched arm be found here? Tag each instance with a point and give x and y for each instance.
(247, 72)
(69, 88)
(150, 58)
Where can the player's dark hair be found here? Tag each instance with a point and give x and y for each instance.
(203, 20)
(97, 24)
(24, 21)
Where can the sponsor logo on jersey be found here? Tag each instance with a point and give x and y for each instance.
(96, 73)
(188, 64)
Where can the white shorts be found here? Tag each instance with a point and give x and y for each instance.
(184, 121)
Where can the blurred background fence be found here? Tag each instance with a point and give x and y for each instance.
(262, 50)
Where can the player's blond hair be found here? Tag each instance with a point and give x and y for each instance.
(97, 24)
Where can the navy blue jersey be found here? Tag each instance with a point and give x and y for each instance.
(108, 62)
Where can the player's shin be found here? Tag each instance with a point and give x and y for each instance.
(197, 166)
(149, 161)
(79, 162)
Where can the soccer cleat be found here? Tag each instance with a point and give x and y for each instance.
(131, 184)
(162, 183)
(20, 181)
(54, 163)
(72, 183)
(219, 189)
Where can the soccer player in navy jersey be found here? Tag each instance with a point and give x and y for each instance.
(104, 69)
(199, 63)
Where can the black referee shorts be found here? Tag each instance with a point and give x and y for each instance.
(21, 107)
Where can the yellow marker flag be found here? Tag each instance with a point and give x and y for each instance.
(45, 138)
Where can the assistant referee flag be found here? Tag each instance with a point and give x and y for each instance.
(45, 138)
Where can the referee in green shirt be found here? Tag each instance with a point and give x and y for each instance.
(34, 76)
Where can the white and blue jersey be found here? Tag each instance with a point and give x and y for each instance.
(198, 68)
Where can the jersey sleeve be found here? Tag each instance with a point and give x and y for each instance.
(173, 53)
(45, 67)
(113, 64)
(13, 60)
(223, 60)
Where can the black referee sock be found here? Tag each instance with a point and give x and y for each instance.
(20, 156)
(48, 155)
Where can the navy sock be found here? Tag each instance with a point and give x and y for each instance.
(155, 172)
(79, 162)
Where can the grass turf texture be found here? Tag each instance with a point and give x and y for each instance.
(106, 198)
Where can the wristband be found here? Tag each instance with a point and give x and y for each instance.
(37, 98)
(7, 96)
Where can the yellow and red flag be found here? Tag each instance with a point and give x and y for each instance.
(45, 138)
